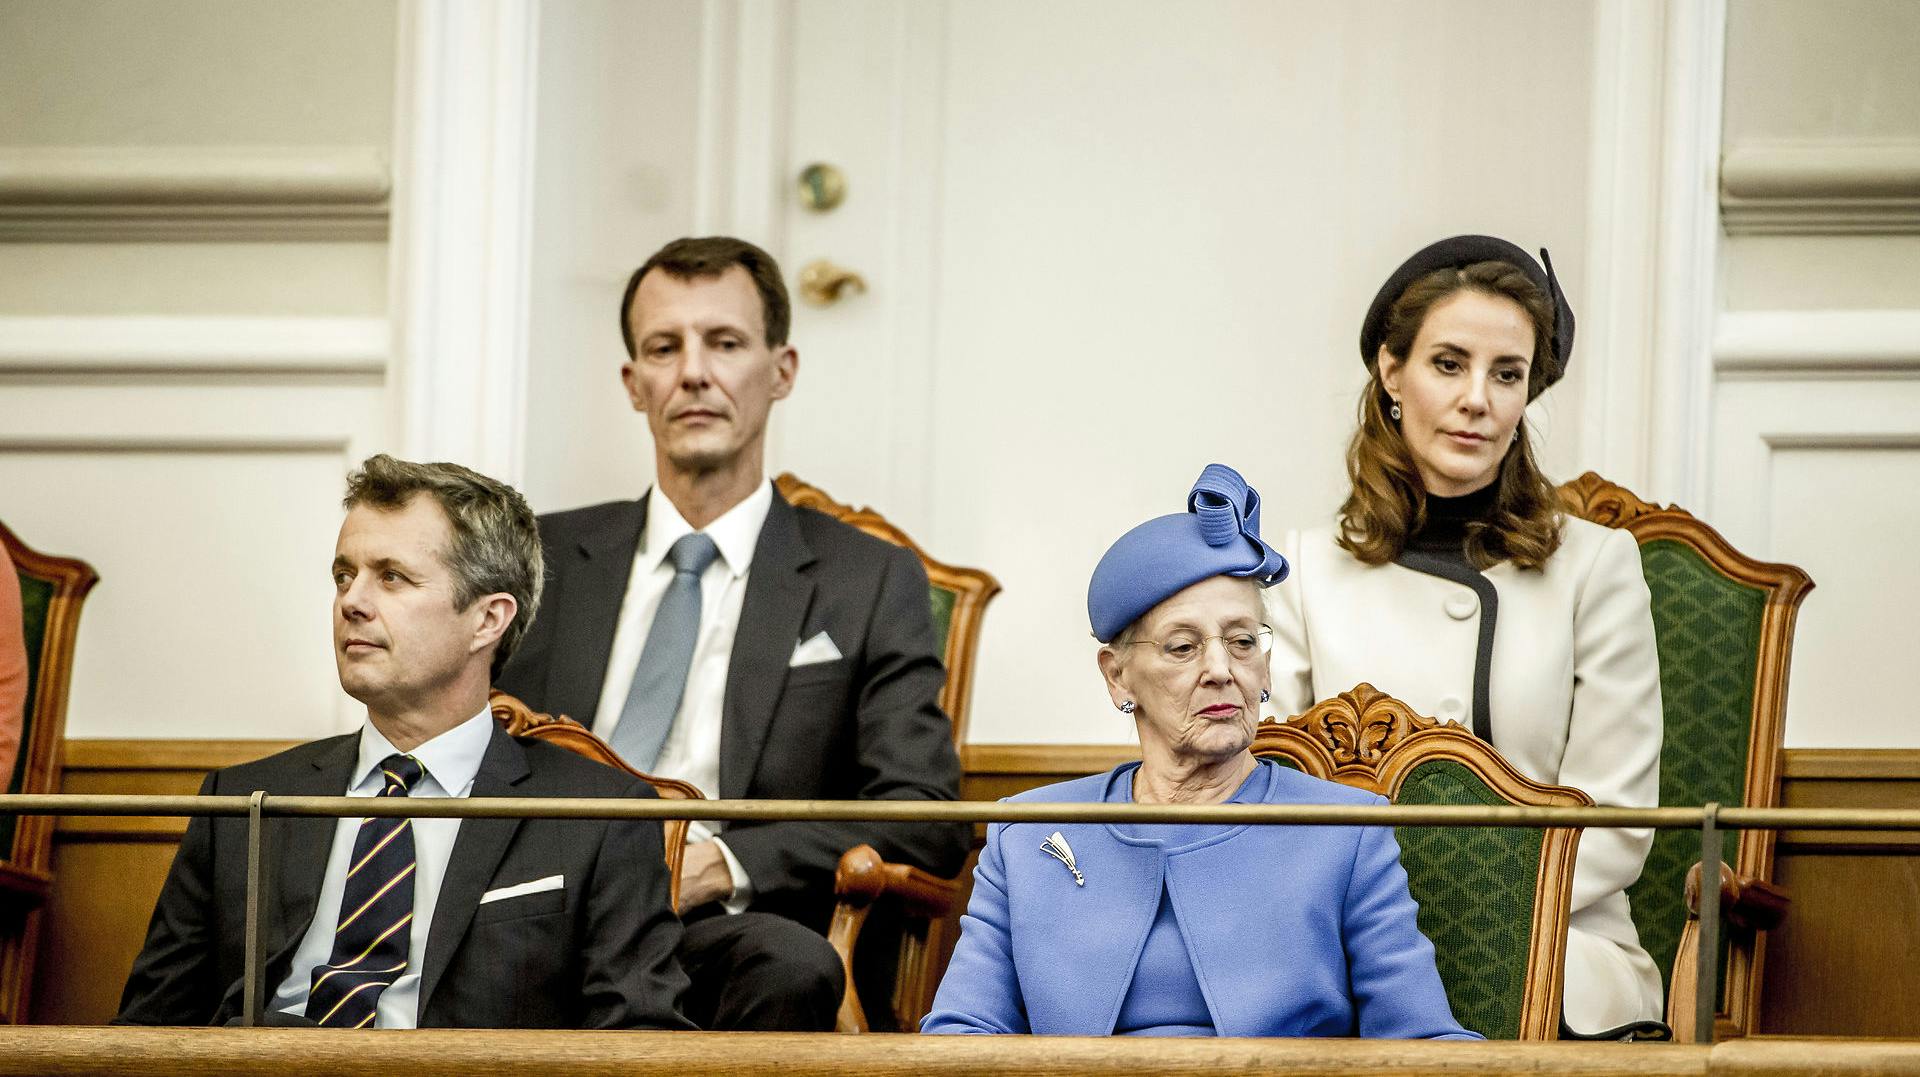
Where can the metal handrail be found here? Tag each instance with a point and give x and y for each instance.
(959, 811)
(1709, 819)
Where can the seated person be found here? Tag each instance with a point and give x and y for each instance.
(1147, 929)
(1452, 580)
(395, 922)
(710, 631)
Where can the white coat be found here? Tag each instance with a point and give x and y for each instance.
(1574, 688)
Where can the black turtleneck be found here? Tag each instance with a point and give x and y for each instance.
(1447, 519)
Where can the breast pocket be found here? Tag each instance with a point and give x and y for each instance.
(814, 673)
(544, 903)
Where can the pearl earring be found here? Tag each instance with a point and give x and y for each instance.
(1127, 707)
(1395, 411)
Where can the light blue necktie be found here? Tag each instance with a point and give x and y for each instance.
(661, 677)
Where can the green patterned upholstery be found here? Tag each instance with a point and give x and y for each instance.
(36, 596)
(943, 600)
(1475, 886)
(1707, 630)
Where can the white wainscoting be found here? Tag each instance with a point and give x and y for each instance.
(197, 463)
(1816, 455)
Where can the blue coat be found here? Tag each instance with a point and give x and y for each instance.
(1294, 930)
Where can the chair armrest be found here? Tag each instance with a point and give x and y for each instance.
(863, 877)
(1747, 903)
(860, 880)
(23, 889)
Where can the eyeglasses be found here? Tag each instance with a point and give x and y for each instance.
(1183, 647)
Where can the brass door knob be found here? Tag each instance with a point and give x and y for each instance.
(823, 284)
(822, 187)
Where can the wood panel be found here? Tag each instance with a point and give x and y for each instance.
(107, 871)
(1832, 969)
(1846, 962)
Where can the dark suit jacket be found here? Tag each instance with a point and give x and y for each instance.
(596, 954)
(867, 726)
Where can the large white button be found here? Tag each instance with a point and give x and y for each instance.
(1451, 707)
(1461, 605)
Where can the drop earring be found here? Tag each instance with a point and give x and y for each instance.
(1395, 411)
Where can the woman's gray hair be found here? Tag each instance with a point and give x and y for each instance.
(496, 540)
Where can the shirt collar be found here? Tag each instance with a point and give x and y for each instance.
(451, 760)
(735, 533)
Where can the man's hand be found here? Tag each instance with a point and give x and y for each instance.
(703, 876)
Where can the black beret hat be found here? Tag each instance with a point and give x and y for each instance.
(1459, 252)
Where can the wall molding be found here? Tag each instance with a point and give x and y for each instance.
(167, 345)
(1821, 186)
(462, 237)
(1818, 344)
(1653, 244)
(118, 193)
(740, 133)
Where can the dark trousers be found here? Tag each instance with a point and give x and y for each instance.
(758, 972)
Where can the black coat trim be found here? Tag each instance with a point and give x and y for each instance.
(1458, 571)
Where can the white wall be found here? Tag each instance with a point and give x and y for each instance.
(1105, 243)
(193, 343)
(1817, 407)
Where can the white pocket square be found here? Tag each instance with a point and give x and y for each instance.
(551, 882)
(811, 652)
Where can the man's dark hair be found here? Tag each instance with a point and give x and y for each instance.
(496, 541)
(710, 256)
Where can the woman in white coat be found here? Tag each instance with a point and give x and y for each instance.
(1451, 580)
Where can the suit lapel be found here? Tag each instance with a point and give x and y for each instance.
(475, 858)
(771, 614)
(593, 579)
(304, 845)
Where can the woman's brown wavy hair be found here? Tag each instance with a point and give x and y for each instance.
(1389, 502)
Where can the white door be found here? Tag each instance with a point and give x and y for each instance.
(1107, 243)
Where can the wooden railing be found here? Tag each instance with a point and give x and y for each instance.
(282, 1052)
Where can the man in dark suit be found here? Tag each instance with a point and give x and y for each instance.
(396, 923)
(712, 632)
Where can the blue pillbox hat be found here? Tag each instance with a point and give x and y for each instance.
(1218, 535)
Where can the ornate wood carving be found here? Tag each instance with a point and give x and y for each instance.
(1370, 740)
(1361, 726)
(1593, 498)
(973, 588)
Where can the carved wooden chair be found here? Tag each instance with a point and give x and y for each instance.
(523, 721)
(51, 592)
(959, 597)
(1493, 900)
(1723, 626)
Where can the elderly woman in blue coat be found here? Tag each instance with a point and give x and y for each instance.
(1184, 930)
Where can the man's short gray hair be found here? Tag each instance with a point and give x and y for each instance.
(496, 540)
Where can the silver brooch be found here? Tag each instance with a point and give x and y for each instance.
(1056, 846)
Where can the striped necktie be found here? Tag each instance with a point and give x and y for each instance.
(376, 914)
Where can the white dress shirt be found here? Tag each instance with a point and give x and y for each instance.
(450, 761)
(692, 750)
